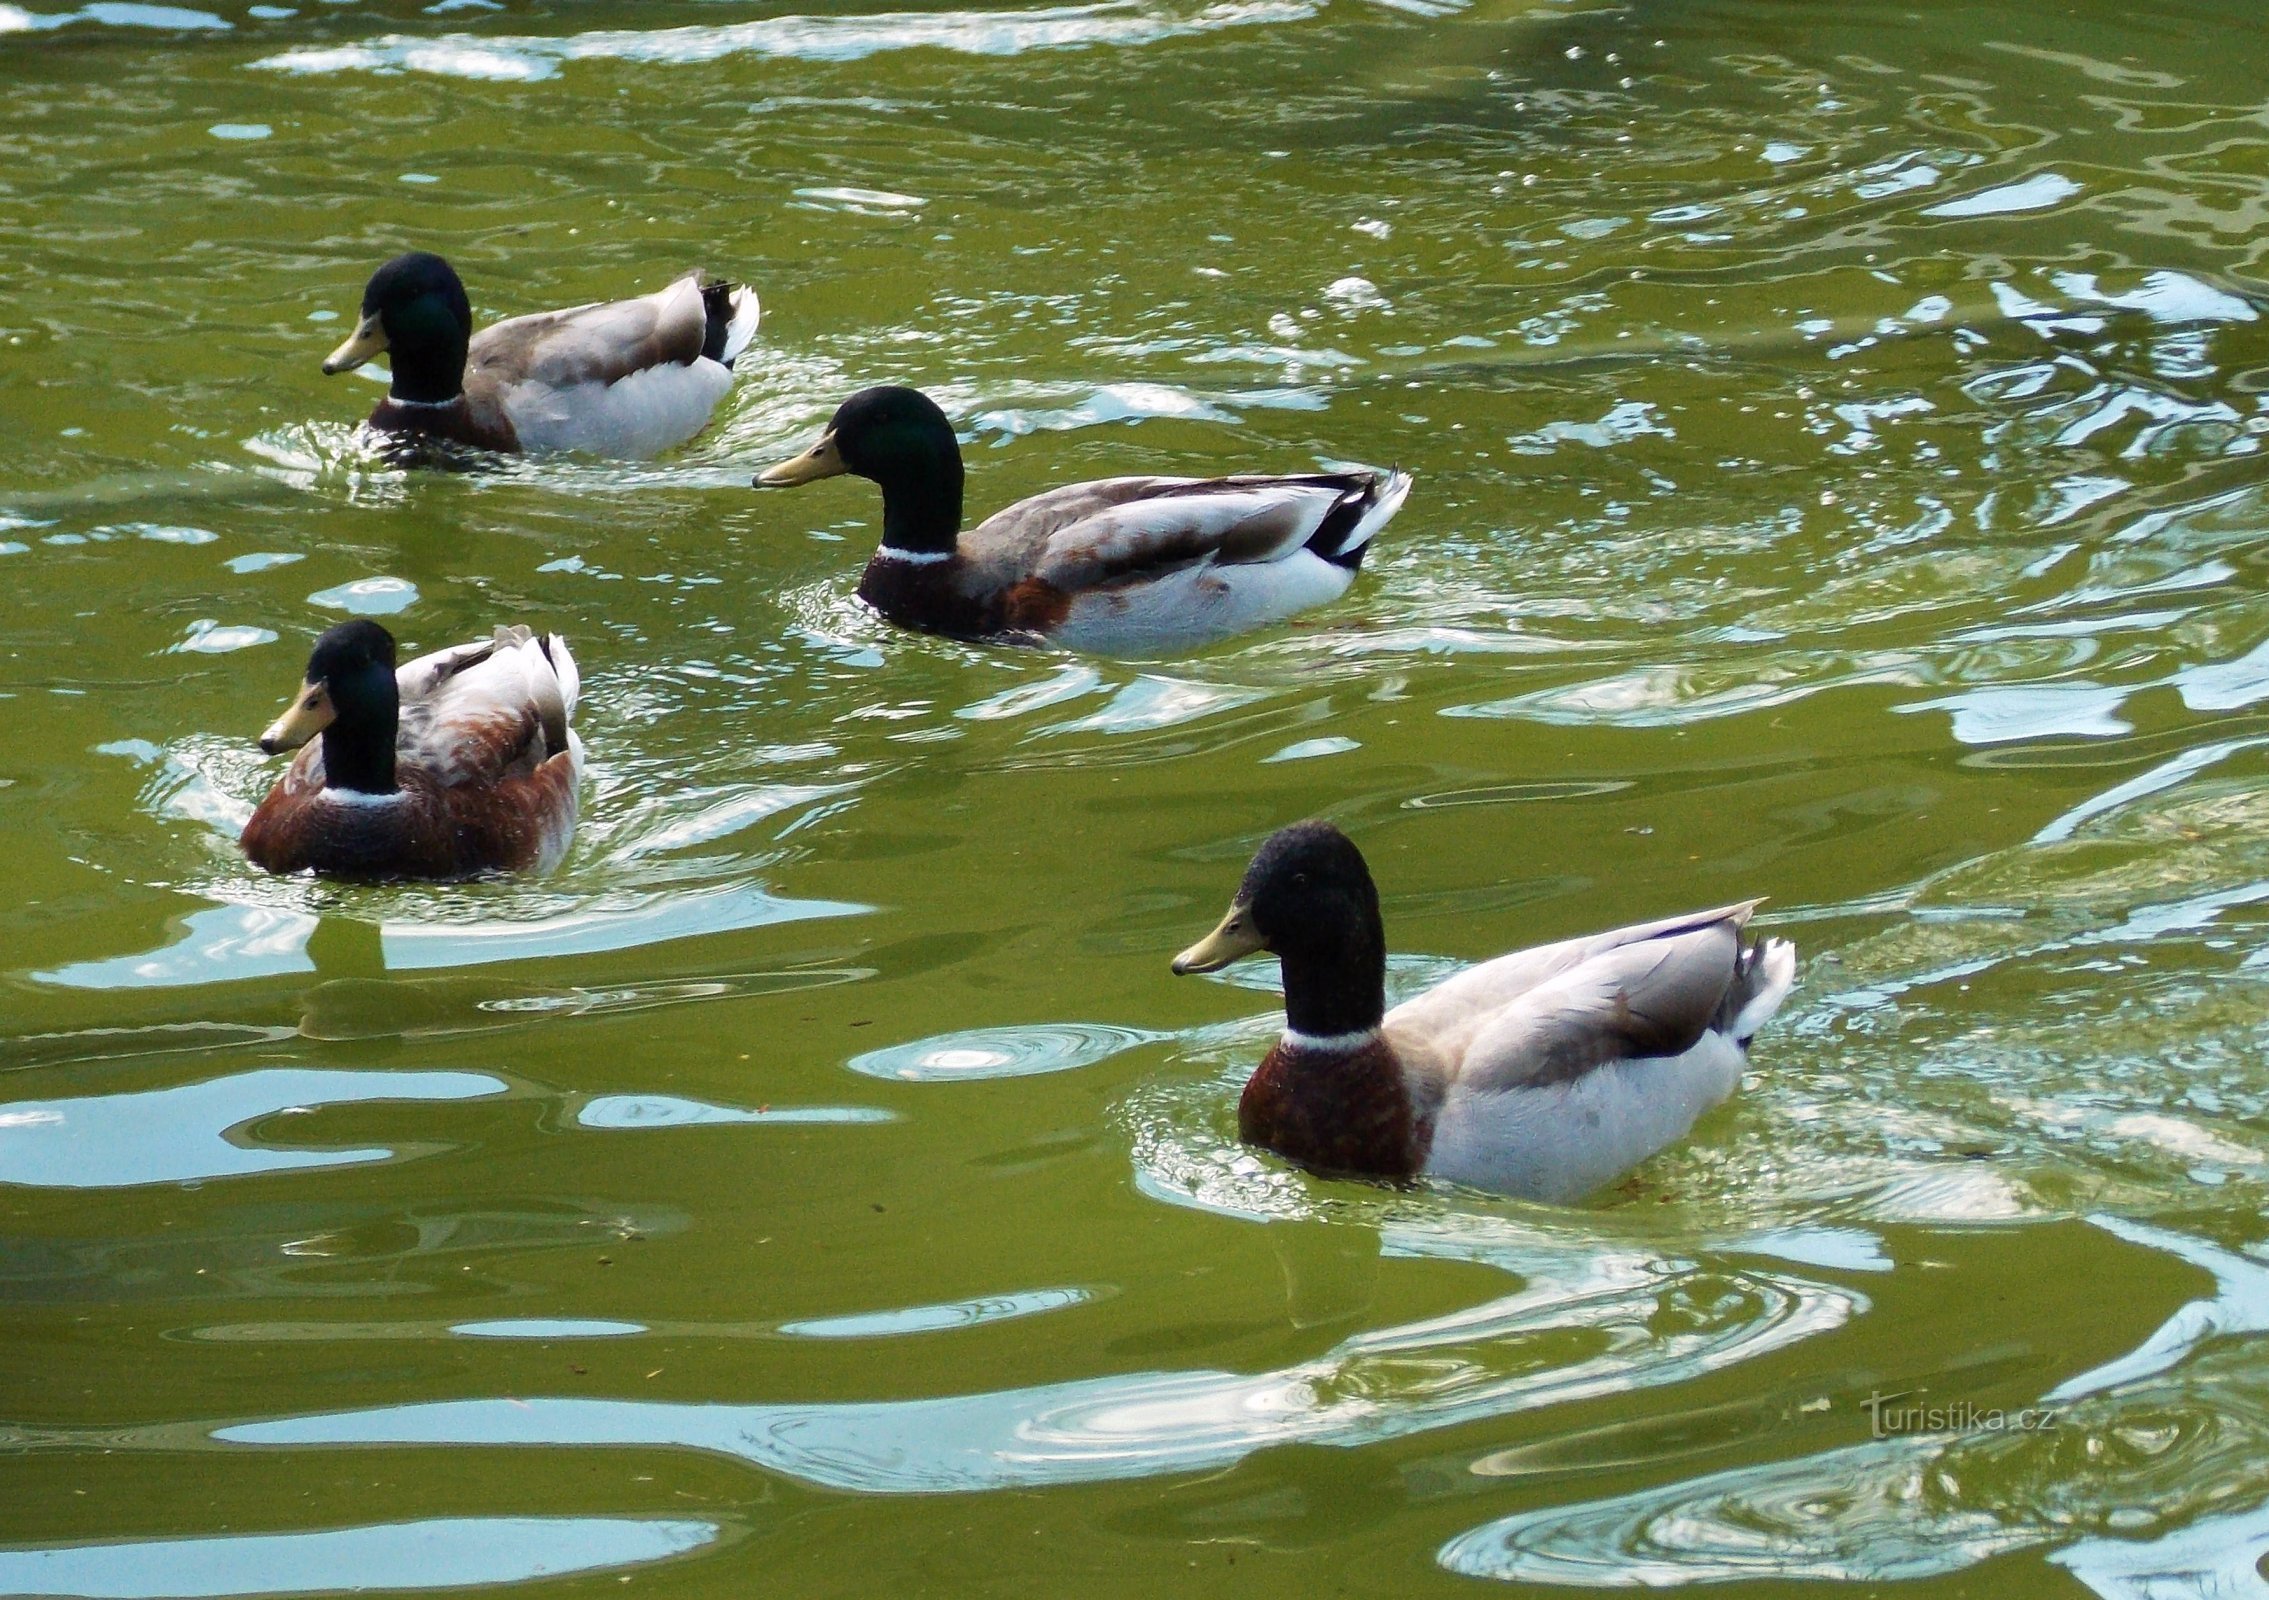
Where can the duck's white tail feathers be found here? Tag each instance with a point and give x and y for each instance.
(548, 678)
(1769, 973)
(741, 314)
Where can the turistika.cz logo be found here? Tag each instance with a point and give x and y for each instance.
(1889, 1414)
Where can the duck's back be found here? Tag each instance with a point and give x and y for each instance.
(620, 377)
(1454, 1011)
(1563, 1066)
(1131, 565)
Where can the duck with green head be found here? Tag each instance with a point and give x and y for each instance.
(460, 762)
(1542, 1074)
(1119, 566)
(625, 378)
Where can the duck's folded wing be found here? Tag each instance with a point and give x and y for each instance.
(601, 343)
(1122, 530)
(1456, 1008)
(505, 711)
(1649, 999)
(421, 678)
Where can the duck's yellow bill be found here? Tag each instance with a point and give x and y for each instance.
(822, 460)
(1234, 937)
(366, 343)
(302, 720)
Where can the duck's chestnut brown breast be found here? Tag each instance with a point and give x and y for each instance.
(1336, 1111)
(481, 425)
(934, 597)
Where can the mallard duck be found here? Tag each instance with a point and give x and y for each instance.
(460, 762)
(1121, 566)
(1542, 1074)
(620, 378)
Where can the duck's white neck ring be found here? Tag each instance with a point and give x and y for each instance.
(425, 405)
(1328, 1044)
(912, 558)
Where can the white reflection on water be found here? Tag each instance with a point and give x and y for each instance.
(1845, 1515)
(547, 1328)
(2163, 776)
(524, 57)
(192, 1131)
(1067, 682)
(2226, 685)
(643, 920)
(1007, 1052)
(1843, 1249)
(938, 1318)
(2174, 298)
(443, 1553)
(2240, 1306)
(715, 815)
(2036, 193)
(1883, 1511)
(227, 942)
(1508, 1354)
(1309, 749)
(111, 13)
(862, 202)
(234, 943)
(2216, 1558)
(1111, 402)
(368, 597)
(1152, 702)
(2004, 712)
(672, 1111)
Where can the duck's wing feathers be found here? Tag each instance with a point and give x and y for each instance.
(1651, 999)
(601, 343)
(1454, 1011)
(421, 678)
(628, 378)
(1128, 530)
(490, 710)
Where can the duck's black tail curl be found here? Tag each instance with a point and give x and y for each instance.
(731, 311)
(1368, 505)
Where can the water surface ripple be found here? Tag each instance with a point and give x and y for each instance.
(1838, 444)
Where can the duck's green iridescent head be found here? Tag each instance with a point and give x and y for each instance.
(414, 308)
(900, 439)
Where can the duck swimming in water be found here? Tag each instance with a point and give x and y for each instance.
(1119, 566)
(460, 762)
(1543, 1074)
(626, 378)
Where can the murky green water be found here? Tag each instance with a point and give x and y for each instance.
(1837, 436)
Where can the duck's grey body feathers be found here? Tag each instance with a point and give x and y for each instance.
(1153, 564)
(627, 378)
(1118, 528)
(1559, 1068)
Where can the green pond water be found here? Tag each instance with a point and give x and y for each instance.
(1837, 434)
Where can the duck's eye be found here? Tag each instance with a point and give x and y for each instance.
(1299, 880)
